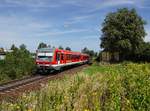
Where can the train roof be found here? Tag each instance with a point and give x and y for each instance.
(46, 50)
(72, 52)
(62, 50)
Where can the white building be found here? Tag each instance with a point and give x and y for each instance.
(7, 50)
(2, 56)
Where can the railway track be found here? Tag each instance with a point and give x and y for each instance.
(17, 83)
(14, 88)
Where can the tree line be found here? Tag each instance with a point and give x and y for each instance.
(44, 45)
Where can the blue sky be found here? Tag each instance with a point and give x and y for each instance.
(73, 23)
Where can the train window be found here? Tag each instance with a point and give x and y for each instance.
(45, 58)
(79, 57)
(67, 56)
(71, 57)
(74, 57)
(62, 56)
(58, 56)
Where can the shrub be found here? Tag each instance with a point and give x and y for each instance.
(17, 64)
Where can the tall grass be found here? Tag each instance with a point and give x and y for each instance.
(124, 87)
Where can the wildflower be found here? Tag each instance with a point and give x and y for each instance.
(24, 96)
(65, 97)
(128, 101)
(18, 107)
(94, 94)
(11, 105)
(29, 110)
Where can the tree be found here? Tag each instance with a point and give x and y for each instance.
(68, 48)
(42, 45)
(85, 50)
(49, 46)
(145, 53)
(22, 47)
(13, 47)
(89, 52)
(60, 47)
(123, 32)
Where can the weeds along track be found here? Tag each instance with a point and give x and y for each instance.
(15, 88)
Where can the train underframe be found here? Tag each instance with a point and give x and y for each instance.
(60, 67)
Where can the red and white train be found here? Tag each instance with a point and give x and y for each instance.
(48, 58)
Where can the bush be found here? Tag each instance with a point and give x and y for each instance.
(17, 64)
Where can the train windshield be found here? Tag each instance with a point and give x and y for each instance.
(45, 54)
(45, 58)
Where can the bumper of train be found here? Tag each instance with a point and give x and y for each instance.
(44, 67)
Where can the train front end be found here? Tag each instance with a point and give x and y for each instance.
(44, 59)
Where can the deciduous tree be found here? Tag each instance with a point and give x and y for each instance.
(123, 32)
(42, 45)
(60, 47)
(68, 48)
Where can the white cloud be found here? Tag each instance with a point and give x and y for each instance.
(87, 6)
(94, 5)
(53, 3)
(77, 19)
(20, 24)
(111, 3)
(58, 32)
(30, 3)
(17, 30)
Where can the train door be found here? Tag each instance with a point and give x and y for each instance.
(62, 58)
(58, 57)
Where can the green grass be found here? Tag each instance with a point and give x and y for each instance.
(115, 87)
